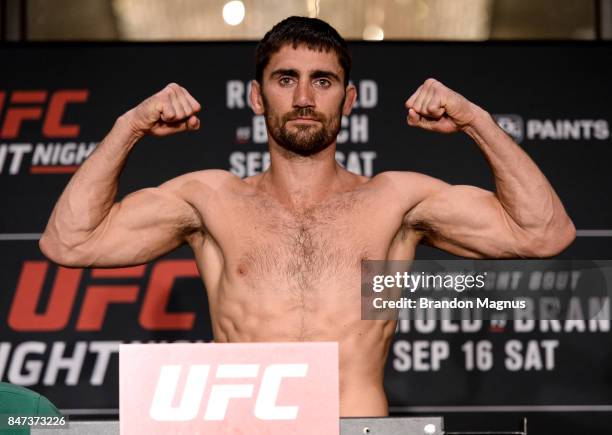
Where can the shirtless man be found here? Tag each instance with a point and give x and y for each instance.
(280, 252)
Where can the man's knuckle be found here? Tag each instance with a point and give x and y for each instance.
(169, 110)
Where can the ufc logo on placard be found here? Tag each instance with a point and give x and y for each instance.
(192, 401)
(29, 106)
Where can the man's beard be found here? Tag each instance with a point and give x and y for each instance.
(305, 139)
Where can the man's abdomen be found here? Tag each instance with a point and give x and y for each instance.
(363, 344)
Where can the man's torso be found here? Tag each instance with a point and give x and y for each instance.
(276, 273)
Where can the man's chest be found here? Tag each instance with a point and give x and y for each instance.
(263, 242)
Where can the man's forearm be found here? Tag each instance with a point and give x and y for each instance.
(91, 192)
(521, 187)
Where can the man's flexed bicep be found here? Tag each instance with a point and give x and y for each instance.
(88, 227)
(471, 222)
(143, 226)
(466, 221)
(523, 218)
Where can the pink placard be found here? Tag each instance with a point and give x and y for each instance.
(238, 388)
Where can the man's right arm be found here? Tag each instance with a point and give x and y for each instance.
(89, 228)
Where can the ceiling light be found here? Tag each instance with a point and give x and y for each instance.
(233, 12)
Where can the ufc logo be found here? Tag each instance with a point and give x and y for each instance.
(28, 312)
(188, 408)
(29, 106)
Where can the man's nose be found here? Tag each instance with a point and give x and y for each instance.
(303, 96)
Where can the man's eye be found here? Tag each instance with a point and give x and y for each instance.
(286, 81)
(322, 83)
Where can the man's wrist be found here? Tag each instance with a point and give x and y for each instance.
(127, 125)
(481, 120)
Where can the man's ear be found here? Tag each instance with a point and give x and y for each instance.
(256, 98)
(349, 99)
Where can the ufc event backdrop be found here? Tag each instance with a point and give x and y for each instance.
(61, 328)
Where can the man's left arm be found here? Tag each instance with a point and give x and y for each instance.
(524, 217)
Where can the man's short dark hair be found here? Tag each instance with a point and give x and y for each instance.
(313, 33)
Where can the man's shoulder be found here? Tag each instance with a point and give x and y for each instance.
(215, 179)
(208, 176)
(405, 180)
(406, 189)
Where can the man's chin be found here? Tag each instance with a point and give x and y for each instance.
(303, 139)
(305, 149)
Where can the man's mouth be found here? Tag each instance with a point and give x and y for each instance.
(304, 119)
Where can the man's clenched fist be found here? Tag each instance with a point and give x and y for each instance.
(437, 108)
(171, 110)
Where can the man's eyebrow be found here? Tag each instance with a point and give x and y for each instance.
(284, 72)
(290, 72)
(324, 73)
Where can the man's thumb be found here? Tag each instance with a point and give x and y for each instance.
(193, 123)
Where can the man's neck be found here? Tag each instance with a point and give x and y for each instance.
(302, 181)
